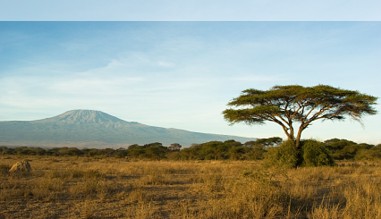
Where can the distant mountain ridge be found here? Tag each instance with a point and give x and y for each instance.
(90, 128)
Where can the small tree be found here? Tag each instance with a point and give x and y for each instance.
(293, 105)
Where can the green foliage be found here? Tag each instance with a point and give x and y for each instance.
(347, 153)
(286, 155)
(316, 154)
(265, 142)
(29, 151)
(373, 153)
(256, 150)
(336, 144)
(121, 152)
(65, 151)
(6, 150)
(153, 151)
(311, 153)
(228, 150)
(214, 150)
(342, 149)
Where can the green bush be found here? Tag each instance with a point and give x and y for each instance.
(311, 153)
(286, 155)
(370, 154)
(316, 154)
(342, 149)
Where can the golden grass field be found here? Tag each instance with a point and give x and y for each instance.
(71, 187)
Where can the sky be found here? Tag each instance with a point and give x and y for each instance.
(182, 74)
(210, 10)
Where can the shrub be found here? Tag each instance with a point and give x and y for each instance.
(316, 154)
(370, 154)
(286, 155)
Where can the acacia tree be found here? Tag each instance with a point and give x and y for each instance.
(295, 107)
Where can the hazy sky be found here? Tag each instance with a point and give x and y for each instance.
(182, 74)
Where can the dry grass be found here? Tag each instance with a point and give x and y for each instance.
(68, 187)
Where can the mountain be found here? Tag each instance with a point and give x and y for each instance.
(89, 128)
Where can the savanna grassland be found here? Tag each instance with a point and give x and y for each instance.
(81, 187)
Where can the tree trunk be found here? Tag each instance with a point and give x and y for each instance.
(298, 137)
(295, 140)
(297, 143)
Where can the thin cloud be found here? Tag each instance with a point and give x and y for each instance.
(166, 64)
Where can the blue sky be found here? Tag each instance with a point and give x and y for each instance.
(182, 74)
(220, 10)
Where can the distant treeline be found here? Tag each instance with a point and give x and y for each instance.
(340, 149)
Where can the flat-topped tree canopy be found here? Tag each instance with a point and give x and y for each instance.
(295, 104)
